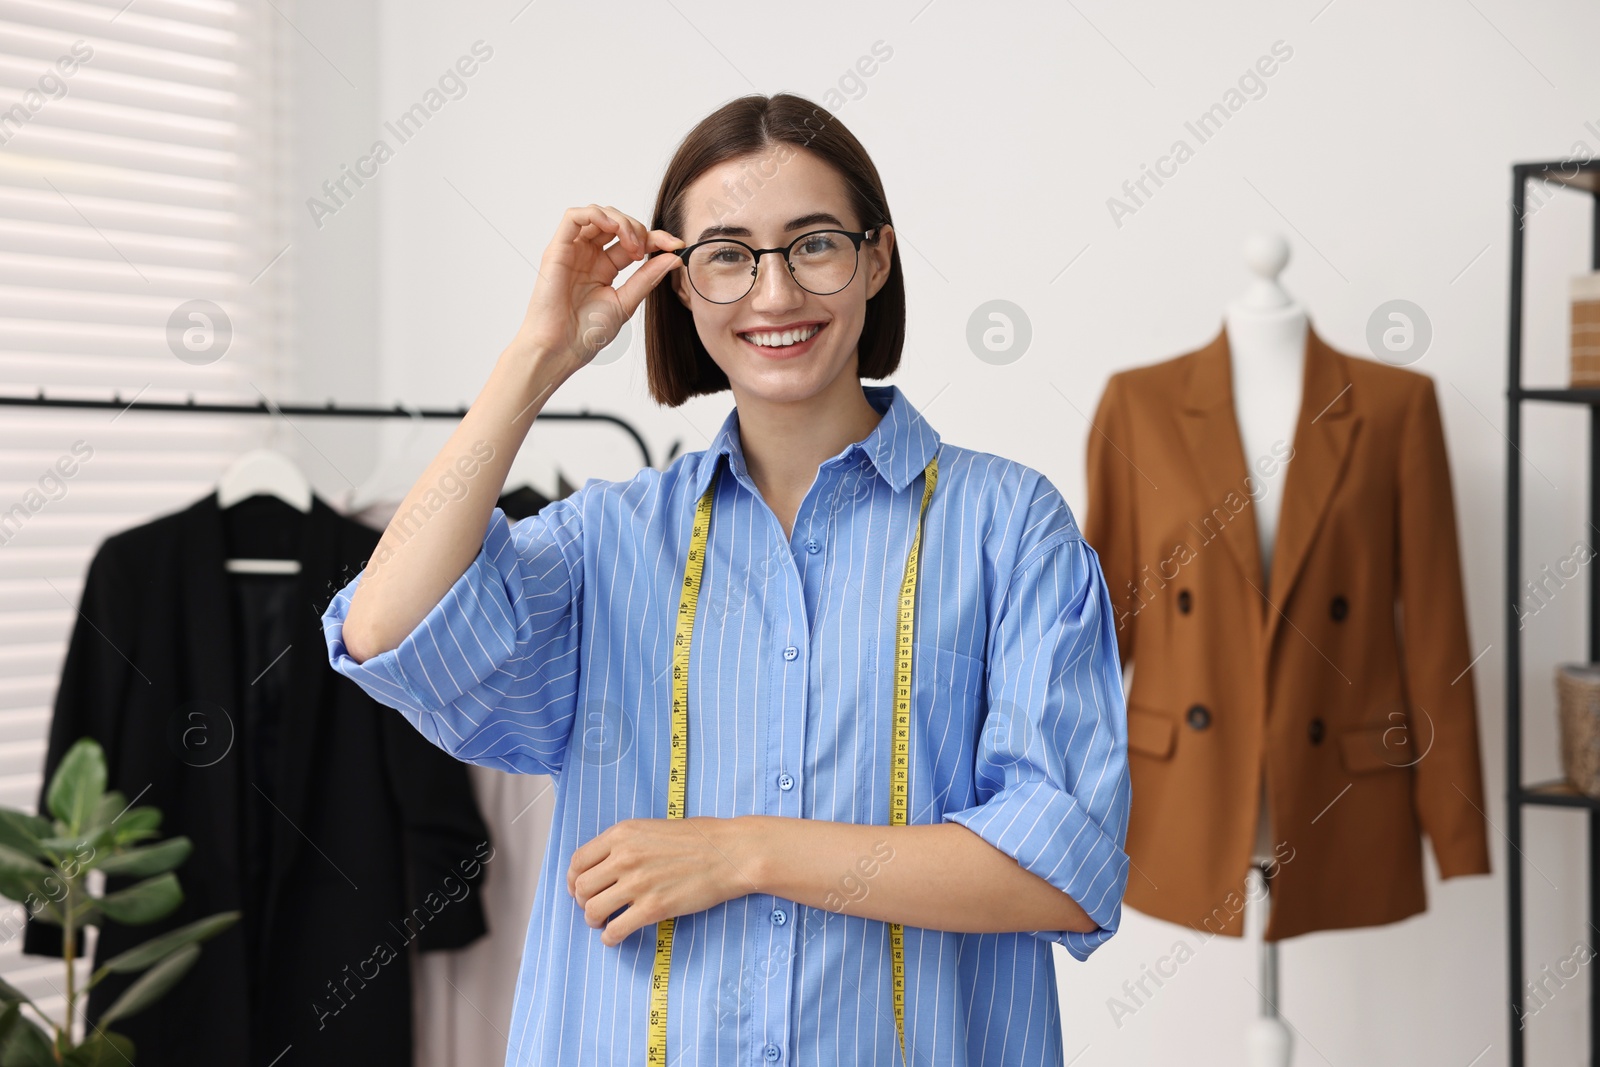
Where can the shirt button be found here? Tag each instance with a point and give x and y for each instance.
(785, 782)
(791, 652)
(779, 916)
(772, 1052)
(812, 546)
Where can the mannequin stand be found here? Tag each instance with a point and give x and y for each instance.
(1268, 1041)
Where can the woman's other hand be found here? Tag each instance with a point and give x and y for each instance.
(658, 869)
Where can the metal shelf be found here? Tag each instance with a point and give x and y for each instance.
(1581, 178)
(1557, 794)
(1562, 396)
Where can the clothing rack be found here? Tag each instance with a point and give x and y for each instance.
(331, 408)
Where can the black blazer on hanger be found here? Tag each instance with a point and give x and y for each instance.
(373, 840)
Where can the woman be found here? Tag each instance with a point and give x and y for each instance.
(804, 865)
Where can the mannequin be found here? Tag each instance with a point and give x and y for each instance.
(1234, 678)
(1266, 346)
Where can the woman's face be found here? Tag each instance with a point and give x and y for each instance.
(766, 201)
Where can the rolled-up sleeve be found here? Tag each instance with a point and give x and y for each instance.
(490, 675)
(1051, 767)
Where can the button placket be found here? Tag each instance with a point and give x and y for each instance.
(787, 738)
(790, 659)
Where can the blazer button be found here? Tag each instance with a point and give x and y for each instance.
(1339, 608)
(1185, 601)
(1316, 731)
(1199, 716)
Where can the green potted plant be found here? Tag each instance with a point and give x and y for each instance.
(44, 864)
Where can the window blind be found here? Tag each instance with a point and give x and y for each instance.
(141, 233)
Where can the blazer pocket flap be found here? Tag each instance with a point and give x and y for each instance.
(1150, 732)
(1367, 749)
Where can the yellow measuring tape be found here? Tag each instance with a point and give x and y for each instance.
(900, 765)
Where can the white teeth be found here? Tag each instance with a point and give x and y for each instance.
(780, 340)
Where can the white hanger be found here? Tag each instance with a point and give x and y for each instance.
(261, 472)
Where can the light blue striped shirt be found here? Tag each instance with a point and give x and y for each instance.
(552, 655)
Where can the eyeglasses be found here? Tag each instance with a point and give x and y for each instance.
(821, 262)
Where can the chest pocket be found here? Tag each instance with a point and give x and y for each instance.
(947, 715)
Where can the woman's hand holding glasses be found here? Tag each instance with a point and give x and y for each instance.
(574, 311)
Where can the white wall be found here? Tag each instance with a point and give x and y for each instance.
(1381, 149)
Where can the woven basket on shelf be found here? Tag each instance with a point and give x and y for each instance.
(1586, 331)
(1578, 701)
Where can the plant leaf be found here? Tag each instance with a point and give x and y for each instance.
(143, 902)
(20, 889)
(155, 859)
(136, 824)
(26, 1045)
(17, 886)
(10, 994)
(65, 847)
(22, 831)
(104, 1049)
(158, 948)
(111, 805)
(20, 864)
(152, 985)
(22, 876)
(78, 785)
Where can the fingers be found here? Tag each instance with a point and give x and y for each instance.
(591, 884)
(621, 255)
(586, 855)
(599, 224)
(632, 292)
(575, 220)
(602, 905)
(629, 230)
(636, 916)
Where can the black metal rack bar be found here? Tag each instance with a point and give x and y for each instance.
(329, 409)
(1582, 177)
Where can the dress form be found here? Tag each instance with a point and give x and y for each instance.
(1266, 348)
(1266, 332)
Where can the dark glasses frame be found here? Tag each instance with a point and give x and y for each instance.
(856, 237)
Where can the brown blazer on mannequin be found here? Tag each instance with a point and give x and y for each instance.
(1362, 717)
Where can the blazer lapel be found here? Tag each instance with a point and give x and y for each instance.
(1327, 424)
(306, 703)
(1212, 434)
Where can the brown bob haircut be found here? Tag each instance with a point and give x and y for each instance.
(678, 364)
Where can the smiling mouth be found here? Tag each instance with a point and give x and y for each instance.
(781, 340)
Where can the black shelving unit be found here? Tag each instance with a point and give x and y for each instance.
(1580, 178)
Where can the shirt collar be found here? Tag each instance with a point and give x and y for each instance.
(899, 447)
